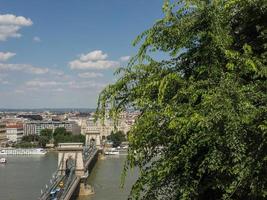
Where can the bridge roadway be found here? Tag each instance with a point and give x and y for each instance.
(62, 187)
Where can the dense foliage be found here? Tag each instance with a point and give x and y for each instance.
(47, 133)
(62, 135)
(29, 141)
(46, 136)
(202, 131)
(116, 138)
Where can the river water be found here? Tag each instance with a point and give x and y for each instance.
(23, 177)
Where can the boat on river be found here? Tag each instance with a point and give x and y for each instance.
(112, 151)
(2, 152)
(13, 151)
(3, 161)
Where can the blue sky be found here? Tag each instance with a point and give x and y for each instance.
(62, 53)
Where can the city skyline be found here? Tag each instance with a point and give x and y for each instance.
(60, 55)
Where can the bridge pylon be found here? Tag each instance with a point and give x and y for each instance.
(93, 135)
(70, 155)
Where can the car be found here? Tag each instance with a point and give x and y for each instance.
(53, 194)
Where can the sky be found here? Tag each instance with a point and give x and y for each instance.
(61, 54)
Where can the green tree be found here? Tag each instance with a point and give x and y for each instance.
(24, 144)
(43, 140)
(47, 133)
(62, 135)
(117, 138)
(46, 136)
(78, 138)
(30, 138)
(202, 129)
(61, 131)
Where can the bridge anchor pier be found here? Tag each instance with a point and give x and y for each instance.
(86, 189)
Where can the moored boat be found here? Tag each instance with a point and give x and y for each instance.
(3, 160)
(112, 152)
(12, 151)
(2, 152)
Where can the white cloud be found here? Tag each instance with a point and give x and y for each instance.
(125, 58)
(9, 19)
(4, 56)
(11, 24)
(40, 83)
(23, 67)
(37, 70)
(56, 72)
(90, 75)
(93, 60)
(36, 39)
(86, 85)
(59, 85)
(100, 64)
(93, 56)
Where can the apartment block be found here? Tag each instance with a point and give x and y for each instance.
(14, 132)
(3, 138)
(35, 127)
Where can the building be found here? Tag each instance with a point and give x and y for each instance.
(14, 132)
(35, 127)
(3, 138)
(99, 131)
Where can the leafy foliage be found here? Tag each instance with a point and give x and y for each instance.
(47, 133)
(117, 138)
(30, 138)
(61, 131)
(202, 131)
(62, 135)
(24, 144)
(43, 140)
(28, 141)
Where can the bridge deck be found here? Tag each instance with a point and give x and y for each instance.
(71, 189)
(70, 182)
(90, 159)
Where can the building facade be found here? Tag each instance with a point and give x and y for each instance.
(14, 132)
(3, 138)
(35, 127)
(99, 131)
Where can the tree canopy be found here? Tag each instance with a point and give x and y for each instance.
(202, 129)
(47, 133)
(62, 135)
(117, 138)
(46, 136)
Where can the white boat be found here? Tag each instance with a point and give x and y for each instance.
(112, 152)
(38, 151)
(2, 152)
(2, 160)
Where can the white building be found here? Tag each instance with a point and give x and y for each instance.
(99, 131)
(14, 132)
(35, 127)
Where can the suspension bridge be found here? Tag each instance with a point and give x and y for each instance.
(75, 163)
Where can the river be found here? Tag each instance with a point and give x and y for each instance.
(23, 177)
